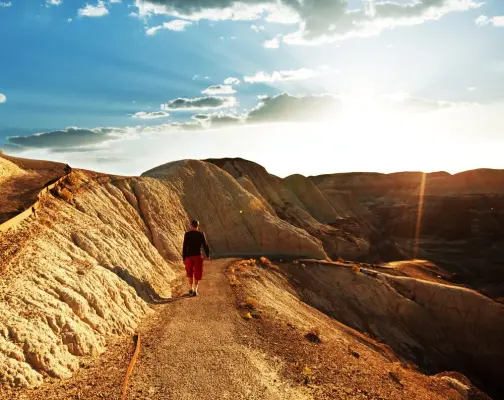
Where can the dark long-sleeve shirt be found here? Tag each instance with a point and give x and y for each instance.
(193, 242)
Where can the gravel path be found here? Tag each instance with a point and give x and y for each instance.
(197, 349)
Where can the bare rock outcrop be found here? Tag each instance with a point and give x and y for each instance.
(334, 217)
(235, 221)
(440, 327)
(315, 202)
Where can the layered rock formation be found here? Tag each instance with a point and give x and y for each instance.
(461, 220)
(437, 326)
(334, 217)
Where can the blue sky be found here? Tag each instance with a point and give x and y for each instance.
(332, 83)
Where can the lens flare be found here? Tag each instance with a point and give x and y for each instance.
(421, 196)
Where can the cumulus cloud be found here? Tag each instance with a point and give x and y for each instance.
(3, 98)
(288, 75)
(219, 89)
(4, 4)
(218, 120)
(319, 20)
(257, 28)
(497, 21)
(286, 107)
(70, 138)
(99, 10)
(150, 115)
(200, 103)
(177, 25)
(273, 43)
(231, 81)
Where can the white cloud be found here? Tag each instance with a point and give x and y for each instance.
(219, 89)
(231, 81)
(150, 115)
(319, 21)
(53, 3)
(152, 31)
(273, 43)
(471, 89)
(69, 20)
(5, 5)
(200, 103)
(257, 28)
(289, 75)
(3, 98)
(93, 11)
(497, 21)
(176, 25)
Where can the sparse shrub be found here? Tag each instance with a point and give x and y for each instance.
(295, 262)
(247, 316)
(355, 269)
(353, 353)
(307, 375)
(267, 263)
(341, 260)
(303, 266)
(233, 281)
(313, 335)
(394, 373)
(250, 304)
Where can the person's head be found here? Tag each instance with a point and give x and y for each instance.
(195, 225)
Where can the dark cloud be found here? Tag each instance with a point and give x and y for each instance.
(218, 120)
(69, 138)
(202, 103)
(150, 115)
(286, 107)
(319, 19)
(219, 89)
(201, 117)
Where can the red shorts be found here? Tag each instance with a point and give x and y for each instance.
(194, 267)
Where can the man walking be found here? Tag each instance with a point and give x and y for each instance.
(191, 254)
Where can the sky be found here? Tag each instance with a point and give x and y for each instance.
(299, 86)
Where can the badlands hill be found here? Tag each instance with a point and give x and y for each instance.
(461, 219)
(100, 253)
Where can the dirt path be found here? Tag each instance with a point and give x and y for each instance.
(197, 349)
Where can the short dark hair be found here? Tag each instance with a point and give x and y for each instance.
(194, 223)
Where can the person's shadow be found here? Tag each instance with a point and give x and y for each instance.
(161, 300)
(145, 290)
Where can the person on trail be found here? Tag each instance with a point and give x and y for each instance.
(194, 240)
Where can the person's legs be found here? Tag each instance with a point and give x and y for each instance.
(189, 266)
(198, 273)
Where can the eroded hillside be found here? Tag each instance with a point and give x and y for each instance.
(99, 251)
(344, 227)
(460, 221)
(85, 265)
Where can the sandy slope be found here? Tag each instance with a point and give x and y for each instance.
(203, 348)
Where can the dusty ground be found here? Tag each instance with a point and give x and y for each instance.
(208, 347)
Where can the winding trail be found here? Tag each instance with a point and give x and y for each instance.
(200, 348)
